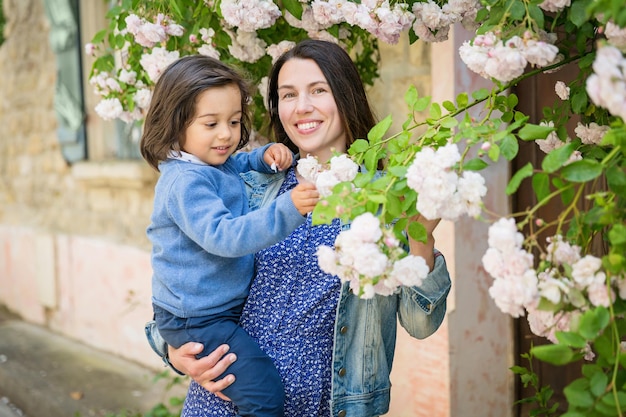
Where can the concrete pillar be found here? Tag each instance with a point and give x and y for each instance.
(463, 369)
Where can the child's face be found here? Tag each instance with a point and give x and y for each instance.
(215, 131)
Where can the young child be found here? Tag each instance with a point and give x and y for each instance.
(204, 236)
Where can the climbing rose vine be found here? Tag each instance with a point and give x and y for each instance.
(545, 269)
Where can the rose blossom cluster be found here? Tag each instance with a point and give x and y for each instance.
(149, 34)
(515, 281)
(250, 15)
(242, 19)
(607, 85)
(106, 84)
(615, 35)
(552, 142)
(432, 22)
(571, 284)
(504, 60)
(590, 134)
(442, 193)
(380, 18)
(371, 259)
(117, 105)
(567, 285)
(562, 90)
(341, 168)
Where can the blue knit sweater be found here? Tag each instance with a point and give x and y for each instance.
(204, 236)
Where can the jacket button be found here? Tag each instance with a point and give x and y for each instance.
(342, 413)
(342, 372)
(343, 329)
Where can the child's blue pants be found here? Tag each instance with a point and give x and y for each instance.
(257, 390)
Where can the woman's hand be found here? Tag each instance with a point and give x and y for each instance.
(205, 370)
(425, 250)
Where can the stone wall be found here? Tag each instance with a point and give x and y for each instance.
(37, 187)
(74, 251)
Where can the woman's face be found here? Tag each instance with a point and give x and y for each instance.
(307, 110)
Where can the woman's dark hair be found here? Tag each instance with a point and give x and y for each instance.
(173, 104)
(345, 84)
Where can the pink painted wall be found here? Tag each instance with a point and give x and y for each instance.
(101, 289)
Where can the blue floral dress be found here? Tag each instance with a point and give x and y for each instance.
(290, 312)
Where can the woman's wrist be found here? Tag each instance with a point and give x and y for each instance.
(424, 249)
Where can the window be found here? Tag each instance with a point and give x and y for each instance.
(82, 133)
(68, 96)
(107, 140)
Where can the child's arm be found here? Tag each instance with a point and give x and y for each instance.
(278, 156)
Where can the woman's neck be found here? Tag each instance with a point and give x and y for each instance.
(322, 156)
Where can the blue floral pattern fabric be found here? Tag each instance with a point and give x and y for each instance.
(291, 314)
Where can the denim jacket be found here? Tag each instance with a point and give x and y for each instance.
(365, 329)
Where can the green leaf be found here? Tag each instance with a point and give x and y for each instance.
(536, 14)
(532, 132)
(557, 157)
(541, 185)
(554, 354)
(174, 5)
(579, 101)
(359, 146)
(394, 205)
(421, 104)
(524, 172)
(617, 234)
(517, 11)
(582, 171)
(462, 100)
(371, 160)
(378, 131)
(410, 97)
(377, 198)
(99, 36)
(616, 179)
(519, 370)
(509, 147)
(494, 152)
(480, 94)
(578, 12)
(609, 400)
(294, 7)
(598, 383)
(475, 164)
(448, 122)
(417, 231)
(571, 339)
(398, 171)
(592, 322)
(435, 111)
(578, 395)
(448, 105)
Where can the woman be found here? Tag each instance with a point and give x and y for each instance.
(333, 350)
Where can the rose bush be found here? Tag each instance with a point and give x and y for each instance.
(569, 294)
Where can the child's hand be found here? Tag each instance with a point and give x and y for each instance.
(278, 156)
(304, 197)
